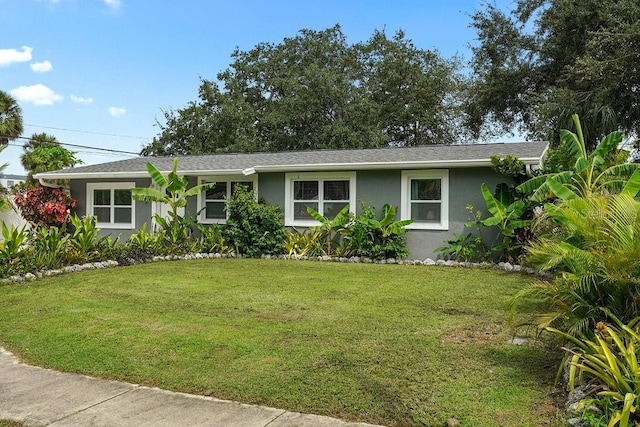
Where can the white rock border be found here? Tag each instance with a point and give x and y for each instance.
(505, 266)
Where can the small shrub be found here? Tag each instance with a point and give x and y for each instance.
(212, 240)
(368, 236)
(609, 361)
(253, 228)
(307, 243)
(175, 236)
(85, 241)
(463, 248)
(50, 246)
(45, 206)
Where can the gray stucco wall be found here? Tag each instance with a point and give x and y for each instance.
(143, 209)
(464, 189)
(375, 187)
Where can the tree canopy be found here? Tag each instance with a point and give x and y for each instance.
(545, 60)
(316, 91)
(44, 153)
(10, 118)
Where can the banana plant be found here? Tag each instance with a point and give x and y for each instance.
(506, 215)
(589, 174)
(386, 225)
(330, 227)
(173, 189)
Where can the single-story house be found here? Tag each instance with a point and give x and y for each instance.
(8, 180)
(431, 185)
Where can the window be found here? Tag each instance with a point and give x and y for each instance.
(9, 184)
(425, 199)
(111, 204)
(327, 193)
(213, 202)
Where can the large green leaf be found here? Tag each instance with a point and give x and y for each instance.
(156, 176)
(149, 195)
(493, 205)
(632, 187)
(195, 190)
(608, 144)
(560, 190)
(317, 216)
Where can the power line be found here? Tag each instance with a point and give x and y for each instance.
(109, 150)
(88, 132)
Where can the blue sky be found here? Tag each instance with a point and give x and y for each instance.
(98, 72)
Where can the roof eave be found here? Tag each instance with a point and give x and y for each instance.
(428, 164)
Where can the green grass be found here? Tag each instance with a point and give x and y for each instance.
(387, 344)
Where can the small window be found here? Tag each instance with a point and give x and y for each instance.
(111, 204)
(425, 199)
(212, 204)
(9, 183)
(326, 193)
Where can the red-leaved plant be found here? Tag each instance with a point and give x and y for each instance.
(45, 206)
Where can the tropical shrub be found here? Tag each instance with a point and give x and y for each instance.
(305, 243)
(592, 173)
(13, 249)
(376, 238)
(253, 228)
(172, 190)
(45, 206)
(590, 244)
(608, 360)
(507, 212)
(50, 246)
(329, 230)
(86, 242)
(212, 240)
(469, 247)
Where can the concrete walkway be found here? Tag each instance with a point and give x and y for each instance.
(38, 396)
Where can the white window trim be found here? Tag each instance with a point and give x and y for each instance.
(289, 221)
(111, 186)
(405, 197)
(220, 178)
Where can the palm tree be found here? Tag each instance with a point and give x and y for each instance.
(44, 153)
(10, 118)
(591, 243)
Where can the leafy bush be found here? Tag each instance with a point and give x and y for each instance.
(50, 246)
(507, 214)
(253, 228)
(307, 243)
(591, 244)
(609, 361)
(13, 250)
(212, 240)
(463, 248)
(86, 242)
(45, 206)
(368, 236)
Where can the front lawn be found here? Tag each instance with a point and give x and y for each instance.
(385, 344)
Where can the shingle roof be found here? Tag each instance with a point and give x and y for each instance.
(429, 156)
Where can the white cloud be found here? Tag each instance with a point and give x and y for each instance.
(9, 56)
(117, 112)
(113, 4)
(41, 67)
(36, 94)
(81, 100)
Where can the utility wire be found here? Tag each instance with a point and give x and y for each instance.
(86, 131)
(108, 150)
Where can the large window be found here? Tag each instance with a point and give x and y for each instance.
(111, 203)
(212, 203)
(425, 199)
(328, 193)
